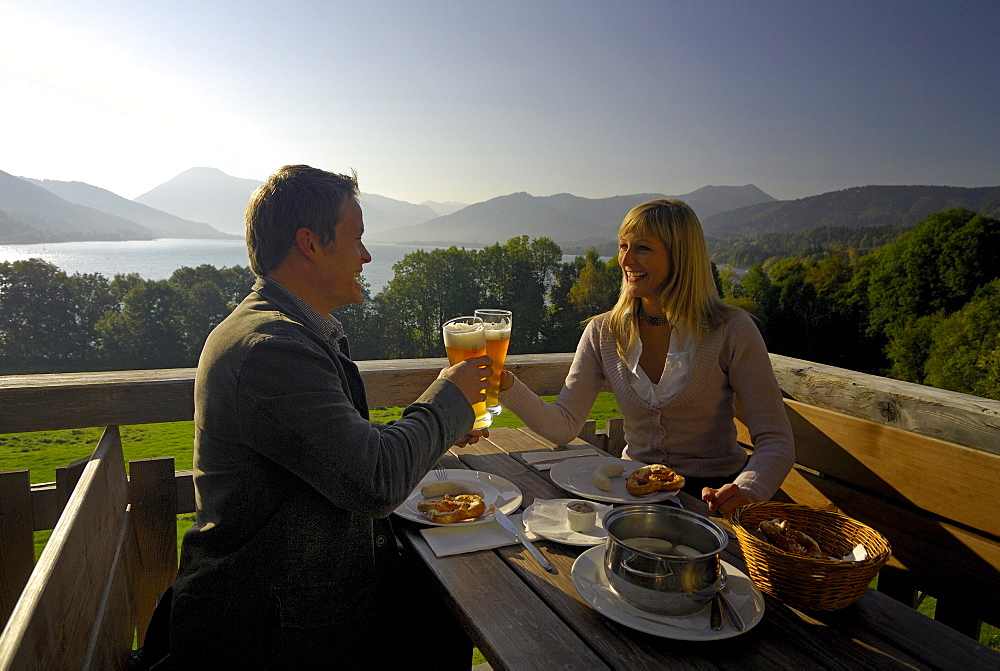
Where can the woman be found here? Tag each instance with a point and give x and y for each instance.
(678, 358)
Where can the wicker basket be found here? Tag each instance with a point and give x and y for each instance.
(805, 582)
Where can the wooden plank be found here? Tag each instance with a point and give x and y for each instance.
(915, 470)
(115, 624)
(959, 613)
(153, 493)
(185, 492)
(877, 621)
(967, 420)
(81, 400)
(75, 400)
(616, 436)
(46, 505)
(576, 442)
(71, 573)
(398, 382)
(17, 549)
(499, 625)
(589, 434)
(66, 478)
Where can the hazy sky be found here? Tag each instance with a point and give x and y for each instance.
(468, 100)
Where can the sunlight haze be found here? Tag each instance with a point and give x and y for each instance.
(461, 101)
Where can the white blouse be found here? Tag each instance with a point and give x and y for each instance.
(675, 369)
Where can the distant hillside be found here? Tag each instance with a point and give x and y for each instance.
(565, 218)
(383, 213)
(852, 208)
(441, 209)
(710, 200)
(34, 214)
(210, 195)
(204, 194)
(162, 224)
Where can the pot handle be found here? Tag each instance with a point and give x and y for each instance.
(644, 574)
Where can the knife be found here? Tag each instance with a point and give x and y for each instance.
(509, 526)
(553, 461)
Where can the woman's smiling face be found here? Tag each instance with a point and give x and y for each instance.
(645, 262)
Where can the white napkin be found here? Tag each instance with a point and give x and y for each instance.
(548, 517)
(462, 538)
(531, 457)
(859, 553)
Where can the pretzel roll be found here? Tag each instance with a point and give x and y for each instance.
(449, 509)
(653, 478)
(792, 541)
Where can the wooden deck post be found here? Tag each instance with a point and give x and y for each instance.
(153, 496)
(17, 540)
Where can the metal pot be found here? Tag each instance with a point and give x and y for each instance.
(653, 578)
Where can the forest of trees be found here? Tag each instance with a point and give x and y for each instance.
(923, 308)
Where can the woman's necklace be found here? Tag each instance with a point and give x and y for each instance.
(650, 319)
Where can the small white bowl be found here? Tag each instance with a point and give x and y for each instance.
(580, 516)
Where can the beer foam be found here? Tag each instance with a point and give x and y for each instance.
(497, 331)
(464, 336)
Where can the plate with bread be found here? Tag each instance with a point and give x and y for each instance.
(461, 498)
(617, 480)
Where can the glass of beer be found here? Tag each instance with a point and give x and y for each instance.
(465, 338)
(497, 325)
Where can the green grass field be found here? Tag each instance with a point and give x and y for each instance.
(42, 451)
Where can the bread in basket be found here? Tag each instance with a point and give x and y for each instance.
(807, 582)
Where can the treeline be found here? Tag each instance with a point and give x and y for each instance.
(525, 276)
(54, 322)
(811, 245)
(923, 308)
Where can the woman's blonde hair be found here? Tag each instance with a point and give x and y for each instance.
(689, 296)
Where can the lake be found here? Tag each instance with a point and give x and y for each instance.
(158, 259)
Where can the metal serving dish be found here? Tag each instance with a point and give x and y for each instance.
(645, 573)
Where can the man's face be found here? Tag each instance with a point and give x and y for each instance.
(342, 259)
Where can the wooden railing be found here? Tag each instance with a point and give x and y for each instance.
(79, 400)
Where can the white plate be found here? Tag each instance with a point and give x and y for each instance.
(577, 476)
(503, 491)
(559, 531)
(589, 578)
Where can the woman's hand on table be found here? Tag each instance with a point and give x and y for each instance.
(725, 499)
(472, 437)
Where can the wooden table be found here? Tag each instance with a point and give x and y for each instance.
(522, 617)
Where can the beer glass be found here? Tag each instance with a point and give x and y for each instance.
(497, 325)
(465, 338)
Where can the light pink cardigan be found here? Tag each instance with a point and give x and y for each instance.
(693, 432)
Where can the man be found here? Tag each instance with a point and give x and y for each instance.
(292, 562)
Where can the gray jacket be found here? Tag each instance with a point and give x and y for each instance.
(293, 483)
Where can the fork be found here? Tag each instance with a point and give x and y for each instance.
(440, 473)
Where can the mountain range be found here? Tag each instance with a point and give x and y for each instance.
(210, 195)
(31, 213)
(851, 208)
(565, 218)
(160, 223)
(207, 203)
